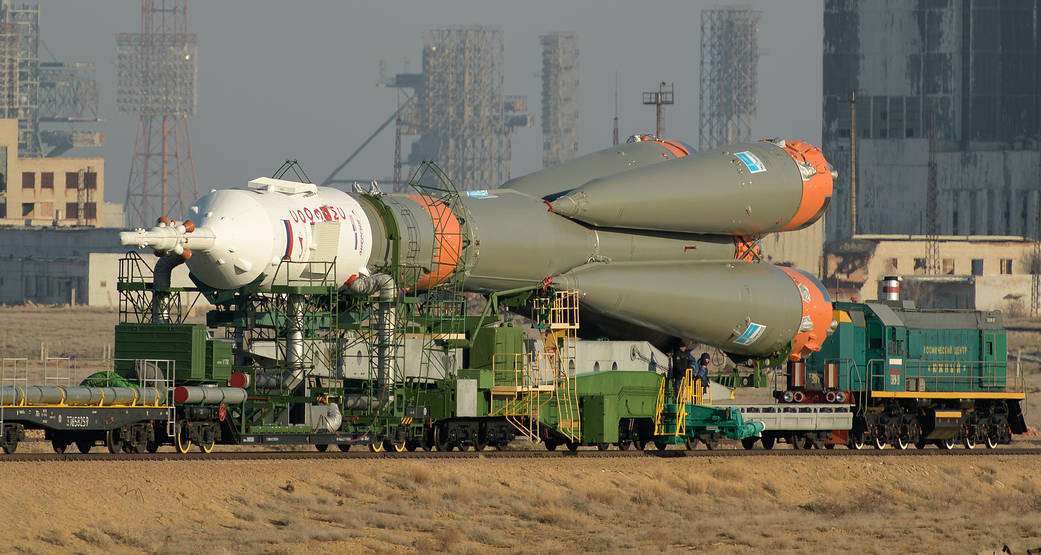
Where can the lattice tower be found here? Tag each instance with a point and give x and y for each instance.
(20, 67)
(729, 75)
(460, 115)
(559, 97)
(156, 79)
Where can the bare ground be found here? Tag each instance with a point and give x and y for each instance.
(880, 505)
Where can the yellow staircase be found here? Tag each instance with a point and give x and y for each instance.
(561, 344)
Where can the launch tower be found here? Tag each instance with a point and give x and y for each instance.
(729, 75)
(559, 97)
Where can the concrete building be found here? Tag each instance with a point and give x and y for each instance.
(969, 70)
(983, 272)
(52, 192)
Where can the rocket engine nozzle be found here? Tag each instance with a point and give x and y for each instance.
(172, 237)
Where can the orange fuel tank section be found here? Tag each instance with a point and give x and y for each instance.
(448, 239)
(816, 313)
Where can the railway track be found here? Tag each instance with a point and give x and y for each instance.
(582, 454)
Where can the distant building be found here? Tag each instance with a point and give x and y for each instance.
(967, 70)
(987, 273)
(49, 192)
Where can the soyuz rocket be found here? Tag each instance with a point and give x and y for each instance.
(660, 241)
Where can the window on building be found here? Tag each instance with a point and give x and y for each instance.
(47, 180)
(45, 210)
(3, 210)
(72, 180)
(72, 210)
(28, 180)
(919, 265)
(90, 210)
(977, 266)
(90, 180)
(1006, 265)
(892, 265)
(948, 266)
(3, 182)
(27, 209)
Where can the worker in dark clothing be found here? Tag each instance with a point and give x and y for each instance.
(682, 359)
(701, 370)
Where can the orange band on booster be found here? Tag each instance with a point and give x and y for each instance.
(448, 241)
(817, 307)
(816, 191)
(677, 150)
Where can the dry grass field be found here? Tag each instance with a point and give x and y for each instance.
(867, 504)
(864, 504)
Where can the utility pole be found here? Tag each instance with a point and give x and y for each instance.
(932, 246)
(614, 135)
(853, 162)
(659, 98)
(1035, 262)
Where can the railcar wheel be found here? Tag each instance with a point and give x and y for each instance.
(749, 442)
(920, 444)
(84, 445)
(115, 443)
(880, 443)
(992, 442)
(902, 443)
(768, 442)
(795, 441)
(947, 444)
(549, 443)
(624, 445)
(571, 445)
(321, 447)
(829, 446)
(182, 443)
(389, 446)
(344, 447)
(151, 447)
(10, 447)
(710, 443)
(207, 447)
(60, 444)
(856, 442)
(603, 446)
(376, 447)
(970, 442)
(411, 446)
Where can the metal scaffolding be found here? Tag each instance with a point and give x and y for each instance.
(156, 72)
(729, 75)
(559, 97)
(463, 120)
(20, 65)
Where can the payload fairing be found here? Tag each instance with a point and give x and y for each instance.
(658, 240)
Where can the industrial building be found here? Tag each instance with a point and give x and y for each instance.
(931, 117)
(966, 72)
(54, 192)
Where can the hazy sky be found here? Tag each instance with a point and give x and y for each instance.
(298, 80)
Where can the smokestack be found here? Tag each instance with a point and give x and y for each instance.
(890, 288)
